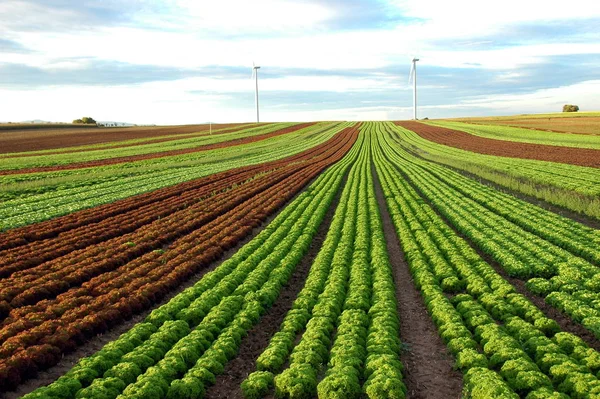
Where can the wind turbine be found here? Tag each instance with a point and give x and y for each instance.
(255, 69)
(413, 77)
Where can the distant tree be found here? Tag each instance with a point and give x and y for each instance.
(570, 108)
(85, 120)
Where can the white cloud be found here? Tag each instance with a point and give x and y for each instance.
(468, 18)
(282, 34)
(257, 16)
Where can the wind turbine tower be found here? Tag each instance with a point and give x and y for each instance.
(255, 69)
(413, 76)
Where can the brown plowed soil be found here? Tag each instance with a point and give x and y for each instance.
(45, 139)
(132, 158)
(228, 384)
(511, 149)
(428, 366)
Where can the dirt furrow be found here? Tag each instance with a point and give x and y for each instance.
(427, 363)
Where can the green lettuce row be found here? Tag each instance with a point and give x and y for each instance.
(300, 379)
(514, 336)
(348, 352)
(218, 322)
(364, 357)
(383, 369)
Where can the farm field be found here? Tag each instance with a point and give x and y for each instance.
(436, 259)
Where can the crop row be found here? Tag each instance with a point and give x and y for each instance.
(345, 315)
(144, 176)
(505, 346)
(528, 242)
(182, 345)
(125, 289)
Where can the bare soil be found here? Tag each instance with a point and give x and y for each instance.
(228, 384)
(483, 145)
(428, 365)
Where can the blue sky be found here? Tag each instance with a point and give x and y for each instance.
(189, 61)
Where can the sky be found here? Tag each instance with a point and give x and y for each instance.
(190, 61)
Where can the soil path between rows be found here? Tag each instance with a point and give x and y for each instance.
(228, 384)
(503, 148)
(427, 363)
(96, 343)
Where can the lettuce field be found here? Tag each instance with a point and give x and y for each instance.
(431, 259)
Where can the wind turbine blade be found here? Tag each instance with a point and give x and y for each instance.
(412, 73)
